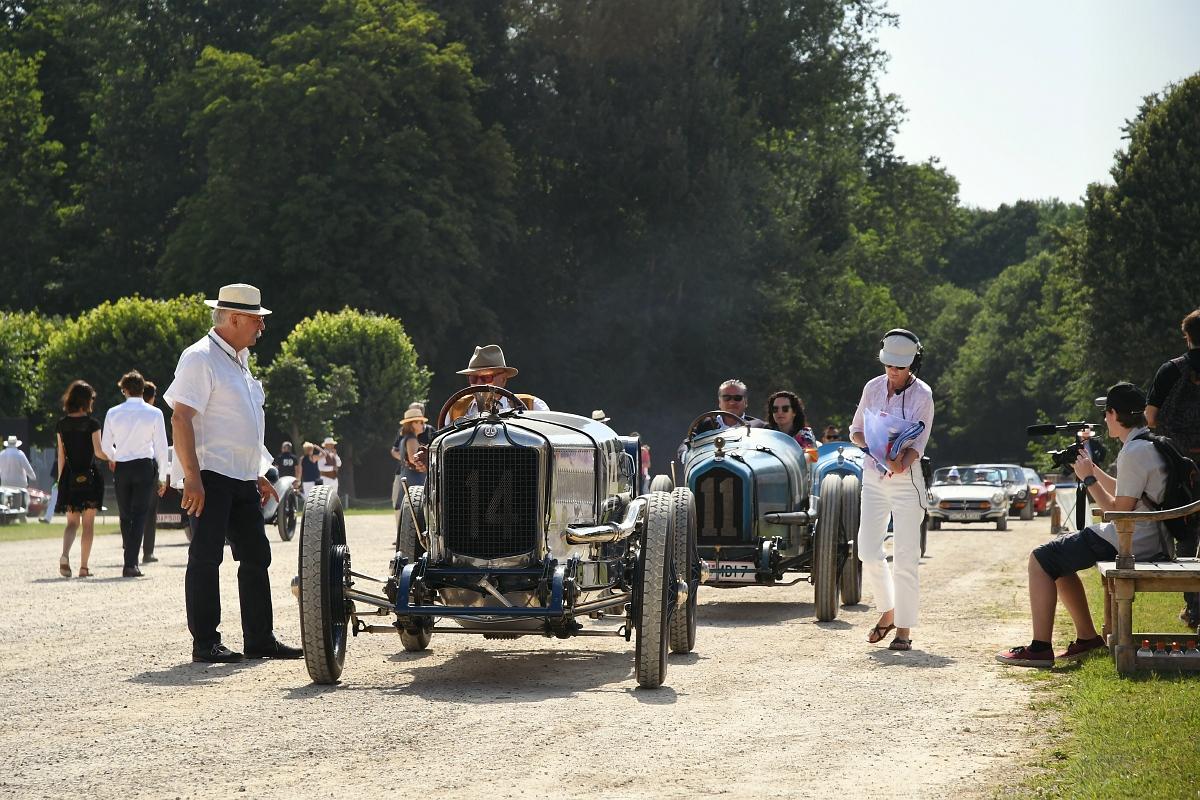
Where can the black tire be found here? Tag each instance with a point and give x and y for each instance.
(1027, 511)
(935, 523)
(654, 573)
(407, 543)
(687, 569)
(324, 621)
(925, 522)
(662, 483)
(415, 642)
(288, 513)
(825, 549)
(1002, 523)
(851, 578)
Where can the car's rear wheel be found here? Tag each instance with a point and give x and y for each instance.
(687, 569)
(324, 565)
(1002, 523)
(662, 483)
(654, 573)
(825, 549)
(286, 517)
(935, 524)
(851, 577)
(416, 640)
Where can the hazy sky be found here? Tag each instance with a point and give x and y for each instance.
(1027, 100)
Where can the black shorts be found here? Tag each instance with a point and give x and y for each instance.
(1068, 554)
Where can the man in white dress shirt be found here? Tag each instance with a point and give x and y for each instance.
(134, 438)
(15, 469)
(219, 425)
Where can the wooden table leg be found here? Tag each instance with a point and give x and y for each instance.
(1106, 631)
(1125, 652)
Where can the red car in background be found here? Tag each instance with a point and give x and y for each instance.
(1042, 490)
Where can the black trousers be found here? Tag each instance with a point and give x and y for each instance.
(231, 509)
(134, 483)
(151, 527)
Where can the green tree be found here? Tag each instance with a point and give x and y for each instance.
(104, 343)
(346, 163)
(1143, 240)
(378, 352)
(31, 185)
(22, 337)
(298, 403)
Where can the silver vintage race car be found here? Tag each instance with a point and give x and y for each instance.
(529, 524)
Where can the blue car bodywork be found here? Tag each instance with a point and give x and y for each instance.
(762, 518)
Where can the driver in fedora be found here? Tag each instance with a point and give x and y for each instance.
(487, 367)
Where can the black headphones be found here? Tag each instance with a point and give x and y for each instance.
(916, 362)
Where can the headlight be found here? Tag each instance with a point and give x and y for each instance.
(997, 498)
(1033, 490)
(933, 498)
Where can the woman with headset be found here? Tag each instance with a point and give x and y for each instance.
(895, 489)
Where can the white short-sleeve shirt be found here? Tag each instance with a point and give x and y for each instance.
(912, 404)
(230, 423)
(1140, 470)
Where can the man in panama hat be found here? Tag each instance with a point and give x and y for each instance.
(219, 426)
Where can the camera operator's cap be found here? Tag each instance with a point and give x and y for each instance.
(239, 297)
(1124, 398)
(898, 350)
(488, 358)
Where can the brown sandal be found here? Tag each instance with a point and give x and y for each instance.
(64, 566)
(879, 633)
(900, 644)
(84, 572)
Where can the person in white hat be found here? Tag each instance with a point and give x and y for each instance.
(219, 427)
(330, 464)
(897, 492)
(487, 367)
(15, 469)
(599, 415)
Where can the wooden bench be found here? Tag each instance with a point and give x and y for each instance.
(1124, 578)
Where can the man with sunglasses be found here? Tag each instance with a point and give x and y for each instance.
(733, 398)
(487, 368)
(219, 424)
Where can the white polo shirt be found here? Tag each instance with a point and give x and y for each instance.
(230, 423)
(133, 430)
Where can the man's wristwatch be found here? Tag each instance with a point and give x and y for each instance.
(1089, 480)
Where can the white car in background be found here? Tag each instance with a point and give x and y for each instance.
(968, 494)
(1018, 488)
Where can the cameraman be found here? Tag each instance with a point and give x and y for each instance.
(1141, 474)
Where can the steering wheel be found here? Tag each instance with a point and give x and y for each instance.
(691, 434)
(478, 390)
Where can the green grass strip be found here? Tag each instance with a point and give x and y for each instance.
(1122, 737)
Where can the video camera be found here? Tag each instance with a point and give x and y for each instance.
(1066, 457)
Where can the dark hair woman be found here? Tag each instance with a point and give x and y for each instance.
(785, 412)
(80, 482)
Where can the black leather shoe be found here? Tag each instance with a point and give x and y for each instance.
(131, 572)
(217, 654)
(149, 559)
(275, 649)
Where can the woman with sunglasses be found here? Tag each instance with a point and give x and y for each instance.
(785, 412)
(893, 489)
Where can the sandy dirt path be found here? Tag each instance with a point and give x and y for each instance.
(100, 698)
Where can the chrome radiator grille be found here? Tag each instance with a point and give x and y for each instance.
(489, 500)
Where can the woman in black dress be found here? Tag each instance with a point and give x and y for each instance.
(80, 483)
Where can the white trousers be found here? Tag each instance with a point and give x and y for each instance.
(332, 483)
(902, 499)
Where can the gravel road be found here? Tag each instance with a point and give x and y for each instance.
(101, 698)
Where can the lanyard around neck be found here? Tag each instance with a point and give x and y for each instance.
(232, 358)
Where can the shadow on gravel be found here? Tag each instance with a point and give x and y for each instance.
(509, 676)
(190, 673)
(740, 614)
(914, 658)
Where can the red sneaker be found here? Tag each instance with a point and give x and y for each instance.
(1023, 656)
(1080, 648)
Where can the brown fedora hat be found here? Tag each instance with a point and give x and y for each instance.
(489, 358)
